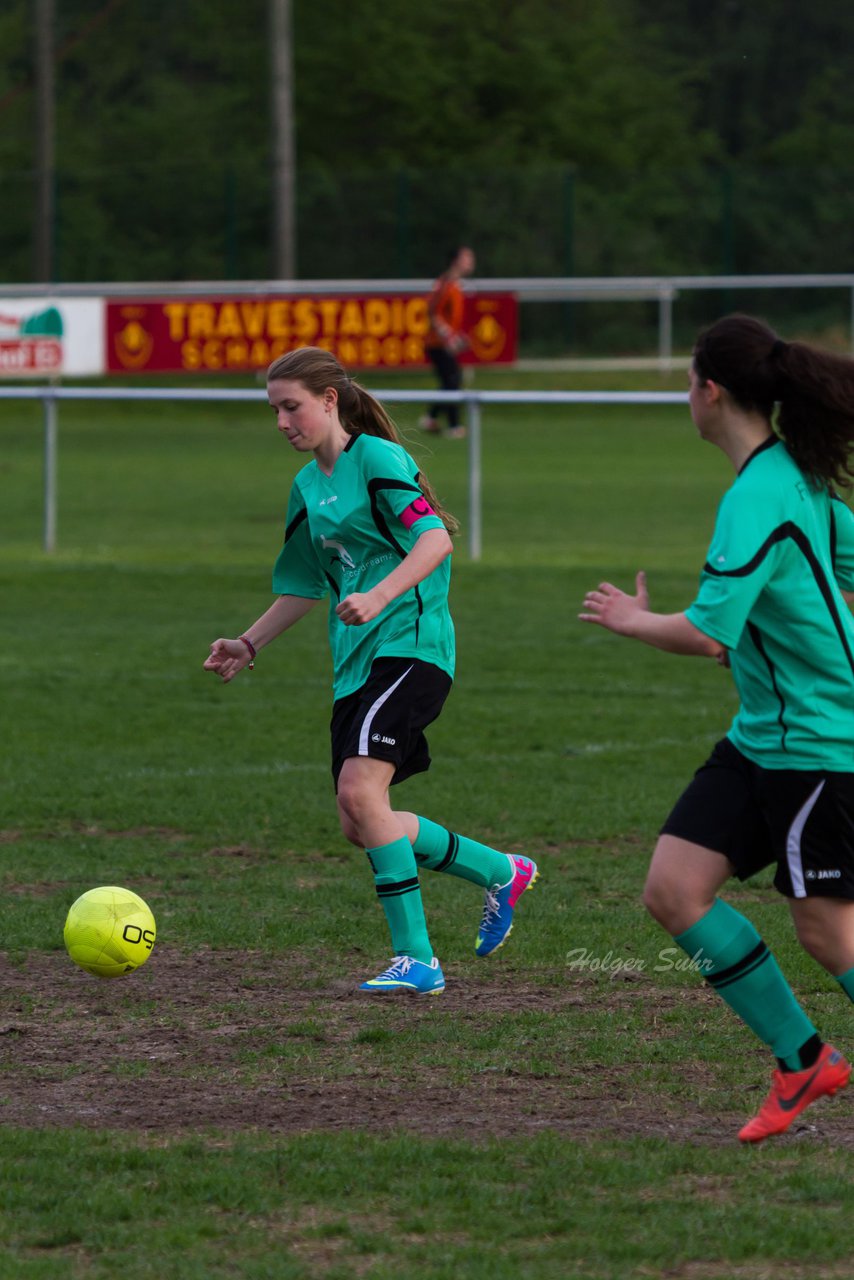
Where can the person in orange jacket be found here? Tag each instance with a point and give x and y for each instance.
(446, 338)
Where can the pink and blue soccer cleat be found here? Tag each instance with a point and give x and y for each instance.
(500, 902)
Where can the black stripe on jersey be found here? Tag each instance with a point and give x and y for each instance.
(756, 637)
(291, 530)
(296, 522)
(832, 537)
(766, 444)
(790, 530)
(420, 603)
(375, 486)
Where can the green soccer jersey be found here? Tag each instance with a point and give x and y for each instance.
(770, 591)
(345, 533)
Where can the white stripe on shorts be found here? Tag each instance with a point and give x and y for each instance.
(372, 711)
(793, 842)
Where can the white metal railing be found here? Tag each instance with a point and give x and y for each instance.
(470, 400)
(528, 288)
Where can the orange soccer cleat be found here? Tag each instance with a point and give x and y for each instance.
(793, 1091)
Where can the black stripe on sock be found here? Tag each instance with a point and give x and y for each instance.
(742, 968)
(397, 888)
(451, 855)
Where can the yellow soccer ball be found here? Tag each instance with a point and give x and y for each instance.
(109, 931)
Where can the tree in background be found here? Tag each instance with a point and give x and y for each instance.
(561, 137)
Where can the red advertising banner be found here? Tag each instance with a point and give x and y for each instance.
(234, 334)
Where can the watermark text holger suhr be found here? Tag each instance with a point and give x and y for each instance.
(669, 959)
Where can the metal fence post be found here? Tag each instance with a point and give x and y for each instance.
(50, 434)
(665, 330)
(473, 420)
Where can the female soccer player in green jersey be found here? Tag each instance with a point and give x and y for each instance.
(772, 605)
(365, 530)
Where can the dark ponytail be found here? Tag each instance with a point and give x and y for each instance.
(813, 389)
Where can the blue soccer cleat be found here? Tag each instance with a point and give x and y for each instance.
(407, 974)
(499, 904)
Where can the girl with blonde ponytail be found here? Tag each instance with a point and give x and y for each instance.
(365, 530)
(360, 413)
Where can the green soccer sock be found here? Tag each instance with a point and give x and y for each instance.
(846, 982)
(737, 963)
(438, 849)
(396, 880)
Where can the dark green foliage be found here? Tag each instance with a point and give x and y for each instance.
(617, 138)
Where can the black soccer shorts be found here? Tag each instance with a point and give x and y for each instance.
(386, 718)
(801, 819)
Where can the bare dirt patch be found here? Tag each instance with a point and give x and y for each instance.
(242, 1040)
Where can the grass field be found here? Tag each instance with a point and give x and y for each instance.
(567, 1108)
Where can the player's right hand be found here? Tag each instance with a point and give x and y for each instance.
(227, 658)
(614, 609)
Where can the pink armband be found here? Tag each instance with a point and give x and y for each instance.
(416, 510)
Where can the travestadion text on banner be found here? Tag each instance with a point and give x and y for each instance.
(234, 334)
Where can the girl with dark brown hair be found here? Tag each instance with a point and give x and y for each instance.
(773, 605)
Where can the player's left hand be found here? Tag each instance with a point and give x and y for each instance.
(360, 607)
